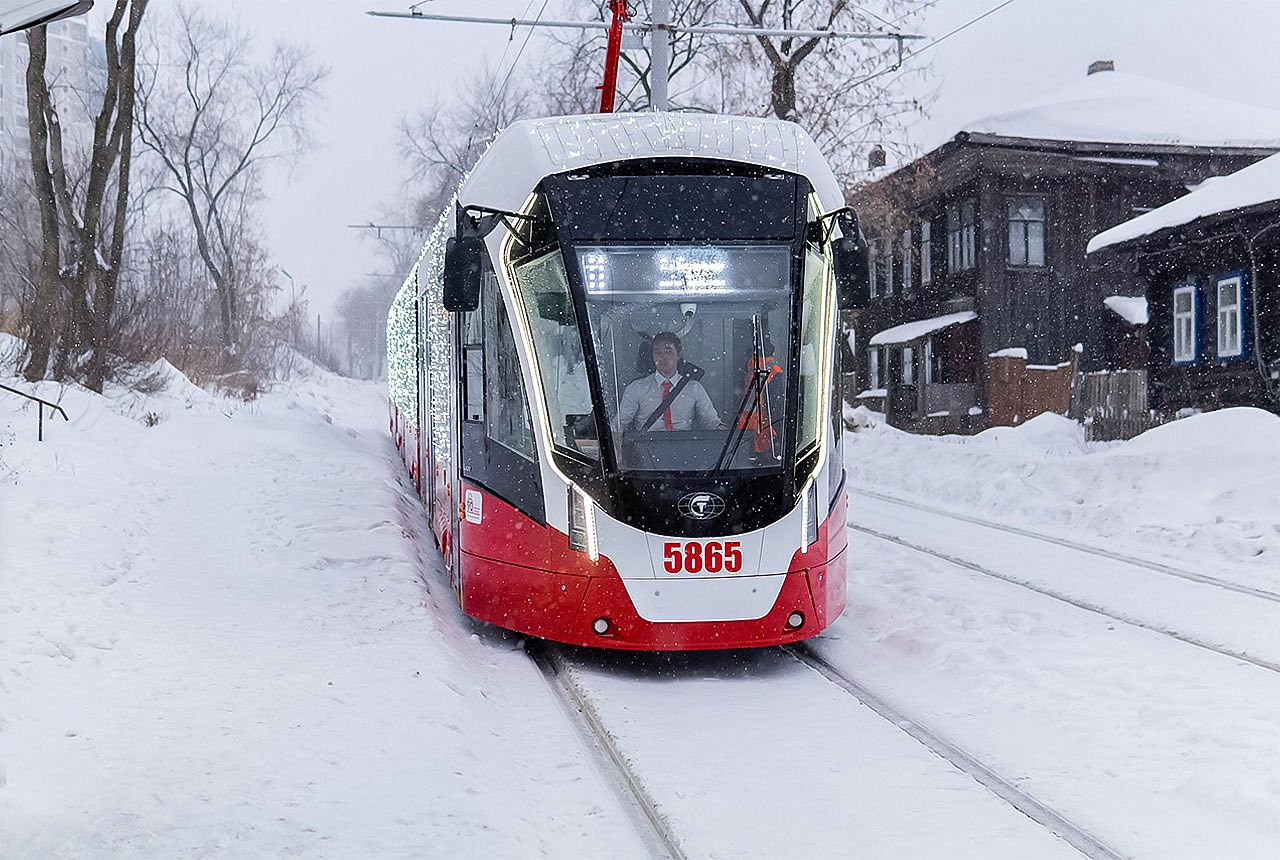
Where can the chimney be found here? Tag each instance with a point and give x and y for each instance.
(876, 157)
(1102, 66)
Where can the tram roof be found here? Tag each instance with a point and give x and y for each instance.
(527, 151)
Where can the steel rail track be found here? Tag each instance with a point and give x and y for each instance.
(1158, 567)
(1172, 633)
(651, 825)
(1077, 837)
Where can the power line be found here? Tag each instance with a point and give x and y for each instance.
(659, 27)
(932, 42)
(525, 44)
(927, 45)
(492, 103)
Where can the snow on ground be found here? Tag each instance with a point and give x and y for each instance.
(223, 632)
(222, 635)
(752, 755)
(1202, 488)
(1163, 749)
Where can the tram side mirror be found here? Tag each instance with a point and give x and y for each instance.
(852, 267)
(463, 261)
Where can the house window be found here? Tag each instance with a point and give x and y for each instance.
(961, 235)
(1230, 330)
(926, 252)
(908, 275)
(908, 366)
(873, 368)
(928, 361)
(873, 269)
(1026, 231)
(888, 267)
(1184, 323)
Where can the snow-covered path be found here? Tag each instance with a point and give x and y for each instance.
(216, 641)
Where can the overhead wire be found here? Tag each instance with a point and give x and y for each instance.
(966, 25)
(930, 44)
(541, 11)
(496, 93)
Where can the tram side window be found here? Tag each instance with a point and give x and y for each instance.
(811, 314)
(507, 406)
(553, 323)
(473, 362)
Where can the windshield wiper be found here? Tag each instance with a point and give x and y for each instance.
(755, 391)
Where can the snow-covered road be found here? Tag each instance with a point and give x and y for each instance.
(228, 635)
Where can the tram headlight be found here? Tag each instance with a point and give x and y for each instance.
(809, 515)
(582, 523)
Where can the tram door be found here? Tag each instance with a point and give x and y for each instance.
(495, 432)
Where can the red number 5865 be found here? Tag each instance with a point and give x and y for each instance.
(696, 557)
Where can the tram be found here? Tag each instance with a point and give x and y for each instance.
(613, 377)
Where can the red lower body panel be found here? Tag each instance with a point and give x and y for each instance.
(562, 607)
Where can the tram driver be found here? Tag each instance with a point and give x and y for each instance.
(691, 409)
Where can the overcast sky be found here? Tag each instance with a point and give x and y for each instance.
(383, 68)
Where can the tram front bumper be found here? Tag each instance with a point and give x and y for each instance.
(574, 609)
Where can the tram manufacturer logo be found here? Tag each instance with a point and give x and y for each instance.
(701, 506)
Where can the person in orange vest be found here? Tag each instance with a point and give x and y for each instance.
(756, 418)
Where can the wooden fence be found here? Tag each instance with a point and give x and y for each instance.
(1112, 404)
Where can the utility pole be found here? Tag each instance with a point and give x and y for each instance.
(659, 53)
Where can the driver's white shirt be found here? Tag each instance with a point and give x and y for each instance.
(692, 408)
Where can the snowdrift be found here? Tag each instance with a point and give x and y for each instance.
(1205, 485)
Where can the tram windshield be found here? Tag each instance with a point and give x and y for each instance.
(690, 325)
(679, 333)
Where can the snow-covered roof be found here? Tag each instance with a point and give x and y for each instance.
(1131, 309)
(1256, 184)
(526, 151)
(908, 332)
(1116, 107)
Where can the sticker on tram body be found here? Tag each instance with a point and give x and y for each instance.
(474, 507)
(711, 556)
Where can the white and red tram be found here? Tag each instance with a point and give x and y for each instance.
(613, 378)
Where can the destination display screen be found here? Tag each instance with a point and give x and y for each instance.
(670, 208)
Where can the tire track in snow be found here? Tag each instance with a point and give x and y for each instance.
(1086, 843)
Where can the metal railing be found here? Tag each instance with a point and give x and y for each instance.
(39, 409)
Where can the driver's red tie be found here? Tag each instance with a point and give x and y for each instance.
(666, 413)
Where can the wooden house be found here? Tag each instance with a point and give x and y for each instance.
(980, 243)
(1210, 262)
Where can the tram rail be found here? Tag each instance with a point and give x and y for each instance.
(1088, 606)
(651, 825)
(1112, 555)
(1088, 844)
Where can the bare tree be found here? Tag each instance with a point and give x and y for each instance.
(840, 90)
(214, 127)
(440, 143)
(83, 218)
